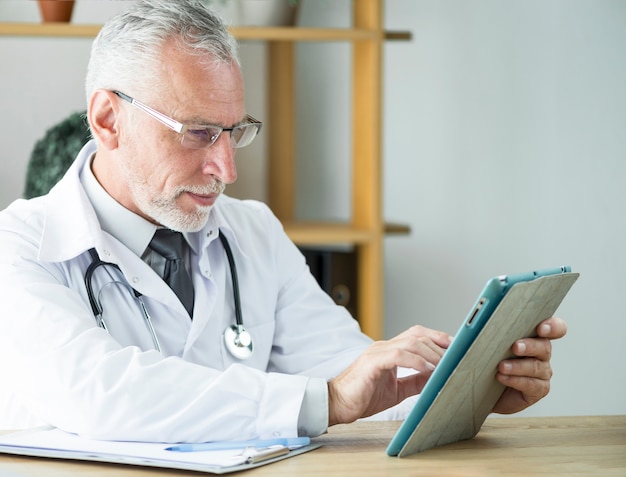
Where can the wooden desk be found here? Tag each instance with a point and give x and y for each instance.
(505, 446)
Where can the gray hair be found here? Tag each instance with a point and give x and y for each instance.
(127, 50)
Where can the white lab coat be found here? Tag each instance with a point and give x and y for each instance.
(61, 369)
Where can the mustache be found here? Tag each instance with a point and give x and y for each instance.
(214, 187)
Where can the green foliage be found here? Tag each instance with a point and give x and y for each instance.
(54, 153)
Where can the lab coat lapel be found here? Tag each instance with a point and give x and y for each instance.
(71, 225)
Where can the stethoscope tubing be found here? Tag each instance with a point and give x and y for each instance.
(234, 279)
(238, 341)
(97, 309)
(95, 263)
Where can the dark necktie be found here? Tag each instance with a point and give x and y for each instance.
(169, 245)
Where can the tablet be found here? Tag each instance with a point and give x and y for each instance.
(462, 389)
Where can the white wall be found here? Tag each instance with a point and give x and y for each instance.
(42, 82)
(504, 150)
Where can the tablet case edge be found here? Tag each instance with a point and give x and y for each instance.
(517, 316)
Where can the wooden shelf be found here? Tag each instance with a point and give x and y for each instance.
(397, 229)
(70, 30)
(332, 233)
(326, 234)
(74, 30)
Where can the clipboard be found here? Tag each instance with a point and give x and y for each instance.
(53, 443)
(462, 390)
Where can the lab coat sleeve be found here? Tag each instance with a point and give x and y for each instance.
(67, 372)
(314, 336)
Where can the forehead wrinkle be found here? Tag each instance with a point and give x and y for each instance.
(188, 87)
(197, 121)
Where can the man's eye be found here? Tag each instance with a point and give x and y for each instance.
(201, 137)
(199, 134)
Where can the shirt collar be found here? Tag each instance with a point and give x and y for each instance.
(133, 231)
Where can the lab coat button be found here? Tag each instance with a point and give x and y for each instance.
(276, 434)
(135, 279)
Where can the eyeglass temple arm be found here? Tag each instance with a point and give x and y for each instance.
(252, 120)
(169, 122)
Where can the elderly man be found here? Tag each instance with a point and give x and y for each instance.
(121, 316)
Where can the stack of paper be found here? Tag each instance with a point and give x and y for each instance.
(209, 457)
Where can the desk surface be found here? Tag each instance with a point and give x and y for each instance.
(505, 446)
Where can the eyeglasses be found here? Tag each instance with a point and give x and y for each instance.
(200, 136)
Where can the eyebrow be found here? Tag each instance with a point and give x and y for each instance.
(200, 122)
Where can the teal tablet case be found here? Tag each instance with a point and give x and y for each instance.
(462, 390)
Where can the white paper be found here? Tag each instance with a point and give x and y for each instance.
(56, 440)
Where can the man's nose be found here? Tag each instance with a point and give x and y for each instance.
(220, 159)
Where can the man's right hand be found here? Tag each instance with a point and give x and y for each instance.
(370, 384)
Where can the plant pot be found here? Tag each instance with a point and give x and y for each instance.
(267, 12)
(56, 10)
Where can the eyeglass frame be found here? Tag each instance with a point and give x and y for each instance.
(181, 128)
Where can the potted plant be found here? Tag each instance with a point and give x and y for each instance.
(56, 10)
(256, 12)
(268, 12)
(53, 154)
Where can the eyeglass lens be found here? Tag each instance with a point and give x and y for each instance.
(240, 136)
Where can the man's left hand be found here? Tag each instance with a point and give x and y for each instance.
(527, 377)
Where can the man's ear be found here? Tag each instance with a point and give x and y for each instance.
(103, 115)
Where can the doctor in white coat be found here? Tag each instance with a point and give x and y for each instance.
(166, 109)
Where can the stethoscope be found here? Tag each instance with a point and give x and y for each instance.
(237, 339)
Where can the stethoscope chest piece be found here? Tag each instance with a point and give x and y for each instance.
(238, 341)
